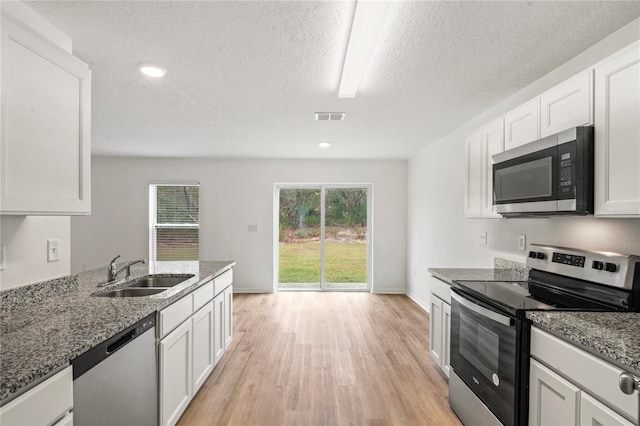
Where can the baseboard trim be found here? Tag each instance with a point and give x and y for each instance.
(419, 302)
(388, 291)
(251, 290)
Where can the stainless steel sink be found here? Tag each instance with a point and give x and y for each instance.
(158, 282)
(131, 292)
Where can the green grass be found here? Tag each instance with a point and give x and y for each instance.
(344, 262)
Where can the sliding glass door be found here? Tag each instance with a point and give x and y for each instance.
(323, 237)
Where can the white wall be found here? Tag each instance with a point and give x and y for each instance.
(439, 236)
(25, 242)
(233, 195)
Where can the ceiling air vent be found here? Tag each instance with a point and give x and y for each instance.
(330, 116)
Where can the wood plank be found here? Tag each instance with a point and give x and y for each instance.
(314, 358)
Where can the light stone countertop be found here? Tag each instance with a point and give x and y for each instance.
(612, 336)
(41, 335)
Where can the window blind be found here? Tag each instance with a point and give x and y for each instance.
(175, 215)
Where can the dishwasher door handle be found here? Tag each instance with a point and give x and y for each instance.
(123, 340)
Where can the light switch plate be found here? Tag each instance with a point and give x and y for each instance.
(53, 250)
(483, 238)
(253, 228)
(1, 257)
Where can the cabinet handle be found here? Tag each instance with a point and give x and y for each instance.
(629, 384)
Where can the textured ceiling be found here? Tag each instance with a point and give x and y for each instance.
(244, 78)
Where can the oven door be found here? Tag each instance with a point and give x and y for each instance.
(483, 354)
(526, 181)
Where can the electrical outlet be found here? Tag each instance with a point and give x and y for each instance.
(53, 250)
(252, 228)
(483, 239)
(522, 242)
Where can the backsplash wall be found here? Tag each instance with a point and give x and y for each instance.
(25, 242)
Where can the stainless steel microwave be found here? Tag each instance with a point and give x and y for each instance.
(550, 176)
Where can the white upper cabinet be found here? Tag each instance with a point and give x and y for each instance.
(569, 104)
(617, 134)
(522, 125)
(479, 148)
(46, 134)
(492, 143)
(473, 181)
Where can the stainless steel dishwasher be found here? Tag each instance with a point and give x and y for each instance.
(115, 383)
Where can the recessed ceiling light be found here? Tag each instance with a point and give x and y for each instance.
(324, 144)
(367, 22)
(152, 70)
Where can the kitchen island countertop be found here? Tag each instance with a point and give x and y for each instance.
(42, 337)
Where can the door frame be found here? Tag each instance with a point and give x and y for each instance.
(322, 186)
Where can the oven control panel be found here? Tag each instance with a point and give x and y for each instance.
(613, 269)
(569, 259)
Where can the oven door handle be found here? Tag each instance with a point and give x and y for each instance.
(487, 313)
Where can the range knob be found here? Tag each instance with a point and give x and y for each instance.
(532, 254)
(610, 267)
(541, 255)
(597, 265)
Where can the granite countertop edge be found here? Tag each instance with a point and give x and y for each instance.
(611, 336)
(449, 275)
(42, 339)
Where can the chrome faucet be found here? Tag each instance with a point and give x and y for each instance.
(112, 272)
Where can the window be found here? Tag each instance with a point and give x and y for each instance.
(173, 219)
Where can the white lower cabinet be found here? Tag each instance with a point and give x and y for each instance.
(218, 327)
(593, 413)
(176, 364)
(190, 352)
(568, 386)
(440, 332)
(203, 331)
(446, 338)
(552, 399)
(228, 316)
(50, 402)
(435, 329)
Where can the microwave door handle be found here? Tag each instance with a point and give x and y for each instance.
(494, 316)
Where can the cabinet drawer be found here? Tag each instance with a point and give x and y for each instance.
(591, 373)
(223, 281)
(440, 289)
(43, 404)
(202, 295)
(175, 314)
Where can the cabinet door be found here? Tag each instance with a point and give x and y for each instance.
(552, 399)
(522, 125)
(492, 143)
(446, 337)
(435, 329)
(218, 327)
(567, 105)
(473, 162)
(45, 142)
(203, 332)
(593, 413)
(176, 383)
(228, 317)
(617, 134)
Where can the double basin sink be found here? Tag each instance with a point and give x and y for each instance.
(147, 286)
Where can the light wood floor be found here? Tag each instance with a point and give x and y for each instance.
(325, 359)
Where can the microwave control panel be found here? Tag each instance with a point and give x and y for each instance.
(566, 170)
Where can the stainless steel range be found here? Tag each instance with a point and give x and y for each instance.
(490, 335)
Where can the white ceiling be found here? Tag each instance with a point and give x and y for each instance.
(245, 78)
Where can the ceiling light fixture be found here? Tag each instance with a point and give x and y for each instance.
(152, 70)
(367, 22)
(324, 144)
